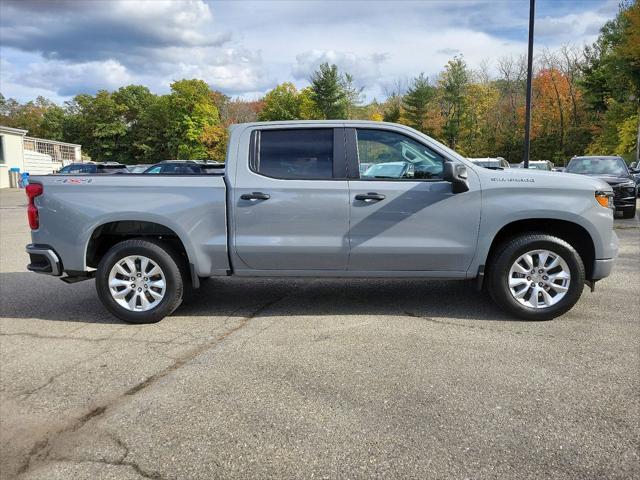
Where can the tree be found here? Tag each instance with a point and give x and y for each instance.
(281, 103)
(52, 124)
(416, 102)
(240, 111)
(454, 83)
(352, 94)
(392, 109)
(480, 137)
(611, 78)
(308, 108)
(193, 111)
(106, 128)
(328, 93)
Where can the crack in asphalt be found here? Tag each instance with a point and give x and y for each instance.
(144, 473)
(122, 461)
(41, 450)
(95, 340)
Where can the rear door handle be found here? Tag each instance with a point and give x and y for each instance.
(370, 197)
(255, 196)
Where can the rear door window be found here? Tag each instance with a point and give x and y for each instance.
(295, 153)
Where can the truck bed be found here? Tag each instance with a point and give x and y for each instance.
(73, 207)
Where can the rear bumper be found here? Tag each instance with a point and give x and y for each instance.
(43, 260)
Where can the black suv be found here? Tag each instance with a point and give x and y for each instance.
(185, 167)
(614, 171)
(93, 167)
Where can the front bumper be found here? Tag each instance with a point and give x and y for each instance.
(624, 197)
(602, 268)
(43, 259)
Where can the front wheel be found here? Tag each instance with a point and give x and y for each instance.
(138, 281)
(536, 276)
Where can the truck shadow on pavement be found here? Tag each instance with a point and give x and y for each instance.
(26, 295)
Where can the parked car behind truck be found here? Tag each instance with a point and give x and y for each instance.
(614, 171)
(93, 168)
(292, 202)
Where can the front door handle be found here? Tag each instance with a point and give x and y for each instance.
(370, 197)
(255, 196)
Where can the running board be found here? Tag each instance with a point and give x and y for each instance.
(75, 278)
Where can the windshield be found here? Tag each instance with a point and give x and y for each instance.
(538, 166)
(597, 166)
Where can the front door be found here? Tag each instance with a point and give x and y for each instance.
(291, 205)
(404, 216)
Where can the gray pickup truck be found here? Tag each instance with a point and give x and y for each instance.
(326, 199)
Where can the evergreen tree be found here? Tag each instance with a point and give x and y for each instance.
(327, 88)
(352, 95)
(392, 109)
(454, 83)
(416, 102)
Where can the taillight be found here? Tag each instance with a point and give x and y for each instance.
(33, 190)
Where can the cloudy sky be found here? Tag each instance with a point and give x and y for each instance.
(244, 48)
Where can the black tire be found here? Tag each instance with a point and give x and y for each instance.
(508, 253)
(629, 212)
(157, 252)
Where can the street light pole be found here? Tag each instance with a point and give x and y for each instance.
(527, 119)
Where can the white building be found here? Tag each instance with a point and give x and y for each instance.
(37, 156)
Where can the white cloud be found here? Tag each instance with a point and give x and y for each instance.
(362, 67)
(572, 25)
(69, 79)
(245, 48)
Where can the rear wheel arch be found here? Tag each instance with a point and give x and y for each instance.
(108, 234)
(574, 234)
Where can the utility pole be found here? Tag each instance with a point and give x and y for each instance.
(638, 147)
(527, 119)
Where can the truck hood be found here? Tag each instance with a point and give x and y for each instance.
(541, 179)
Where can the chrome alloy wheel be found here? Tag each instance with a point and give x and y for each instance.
(539, 279)
(137, 283)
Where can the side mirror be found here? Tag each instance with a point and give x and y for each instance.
(456, 173)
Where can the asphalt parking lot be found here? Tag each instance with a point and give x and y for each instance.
(315, 379)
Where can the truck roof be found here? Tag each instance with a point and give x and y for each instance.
(320, 122)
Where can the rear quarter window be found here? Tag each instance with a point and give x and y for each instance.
(295, 153)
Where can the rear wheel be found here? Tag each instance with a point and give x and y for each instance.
(536, 277)
(138, 281)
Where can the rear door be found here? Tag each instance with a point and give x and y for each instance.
(404, 216)
(291, 201)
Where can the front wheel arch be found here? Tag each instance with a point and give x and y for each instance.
(572, 233)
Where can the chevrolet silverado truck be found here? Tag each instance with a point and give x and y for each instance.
(326, 199)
